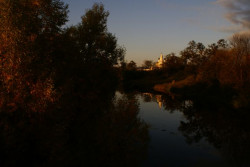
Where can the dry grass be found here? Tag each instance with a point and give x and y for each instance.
(165, 88)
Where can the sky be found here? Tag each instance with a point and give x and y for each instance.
(147, 28)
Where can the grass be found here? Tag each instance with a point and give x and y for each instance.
(166, 87)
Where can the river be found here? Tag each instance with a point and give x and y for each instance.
(182, 135)
(124, 129)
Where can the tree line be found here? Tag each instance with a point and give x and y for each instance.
(226, 62)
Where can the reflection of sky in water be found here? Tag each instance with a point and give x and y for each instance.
(168, 146)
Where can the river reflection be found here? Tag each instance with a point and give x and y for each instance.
(102, 131)
(125, 129)
(189, 133)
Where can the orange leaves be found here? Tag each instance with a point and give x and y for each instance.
(42, 94)
(36, 3)
(43, 90)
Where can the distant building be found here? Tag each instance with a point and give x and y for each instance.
(160, 62)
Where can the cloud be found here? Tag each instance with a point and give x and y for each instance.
(238, 12)
(226, 29)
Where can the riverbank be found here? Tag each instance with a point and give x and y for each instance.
(187, 87)
(214, 92)
(142, 80)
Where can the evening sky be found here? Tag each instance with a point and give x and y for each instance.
(147, 28)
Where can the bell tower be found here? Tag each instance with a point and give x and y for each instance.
(160, 61)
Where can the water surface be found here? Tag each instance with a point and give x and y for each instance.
(124, 129)
(183, 135)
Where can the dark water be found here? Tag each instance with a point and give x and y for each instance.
(168, 146)
(182, 133)
(124, 129)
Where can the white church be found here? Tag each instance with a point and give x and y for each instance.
(160, 61)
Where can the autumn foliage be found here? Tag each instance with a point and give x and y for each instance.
(227, 62)
(39, 57)
(230, 65)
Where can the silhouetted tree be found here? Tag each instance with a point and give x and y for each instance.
(214, 47)
(131, 65)
(173, 63)
(89, 52)
(95, 43)
(147, 64)
(194, 54)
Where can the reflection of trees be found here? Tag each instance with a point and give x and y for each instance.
(74, 135)
(227, 130)
(171, 104)
(147, 97)
(127, 138)
(168, 102)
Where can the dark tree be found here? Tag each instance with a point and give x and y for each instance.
(95, 43)
(194, 54)
(173, 63)
(148, 64)
(131, 65)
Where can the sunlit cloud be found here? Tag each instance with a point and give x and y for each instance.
(238, 13)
